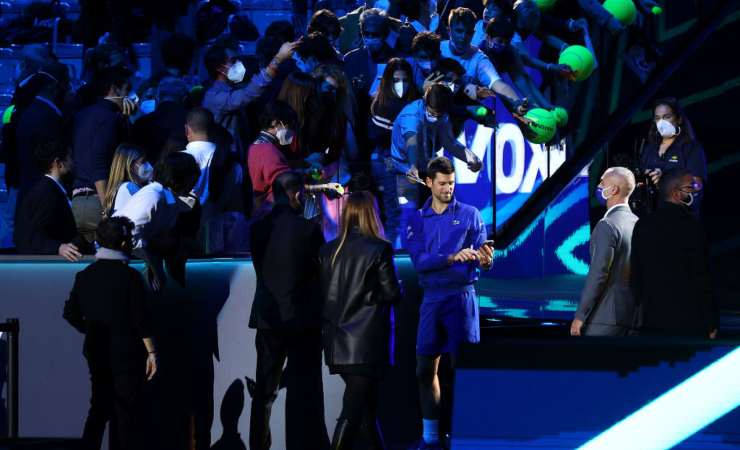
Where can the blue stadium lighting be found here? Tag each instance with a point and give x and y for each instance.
(555, 211)
(679, 413)
(565, 251)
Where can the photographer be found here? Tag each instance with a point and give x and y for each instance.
(671, 144)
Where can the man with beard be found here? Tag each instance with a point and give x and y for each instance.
(447, 267)
(419, 131)
(44, 221)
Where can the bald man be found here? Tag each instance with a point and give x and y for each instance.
(607, 307)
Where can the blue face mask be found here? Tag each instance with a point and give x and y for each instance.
(601, 198)
(148, 106)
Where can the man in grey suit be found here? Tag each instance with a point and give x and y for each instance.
(607, 307)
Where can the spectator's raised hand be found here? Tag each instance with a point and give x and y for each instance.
(474, 163)
(286, 51)
(434, 77)
(128, 106)
(562, 70)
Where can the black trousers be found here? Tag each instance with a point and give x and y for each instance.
(115, 400)
(304, 408)
(360, 407)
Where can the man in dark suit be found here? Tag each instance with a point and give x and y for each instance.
(606, 307)
(670, 265)
(286, 313)
(44, 221)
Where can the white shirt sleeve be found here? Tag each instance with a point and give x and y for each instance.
(486, 72)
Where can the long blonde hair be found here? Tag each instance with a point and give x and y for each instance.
(360, 211)
(120, 171)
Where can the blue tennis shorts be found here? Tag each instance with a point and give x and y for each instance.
(447, 322)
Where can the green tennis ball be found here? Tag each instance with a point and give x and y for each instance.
(579, 59)
(545, 5)
(561, 116)
(622, 10)
(8, 114)
(657, 10)
(542, 127)
(481, 111)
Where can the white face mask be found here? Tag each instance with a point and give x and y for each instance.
(690, 201)
(400, 88)
(145, 172)
(284, 136)
(236, 72)
(665, 128)
(430, 118)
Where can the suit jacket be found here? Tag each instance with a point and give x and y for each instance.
(38, 123)
(606, 297)
(358, 289)
(43, 219)
(108, 304)
(670, 274)
(285, 252)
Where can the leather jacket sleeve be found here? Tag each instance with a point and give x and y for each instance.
(389, 287)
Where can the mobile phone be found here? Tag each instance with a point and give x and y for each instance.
(488, 242)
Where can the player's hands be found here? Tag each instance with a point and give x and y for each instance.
(485, 255)
(575, 327)
(463, 256)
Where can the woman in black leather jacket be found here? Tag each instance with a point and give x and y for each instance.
(359, 286)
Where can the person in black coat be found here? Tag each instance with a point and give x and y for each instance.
(286, 313)
(670, 277)
(359, 285)
(107, 304)
(44, 224)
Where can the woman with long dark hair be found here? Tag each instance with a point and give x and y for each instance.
(672, 144)
(299, 91)
(359, 286)
(397, 89)
(332, 133)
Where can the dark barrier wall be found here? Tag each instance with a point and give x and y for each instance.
(214, 308)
